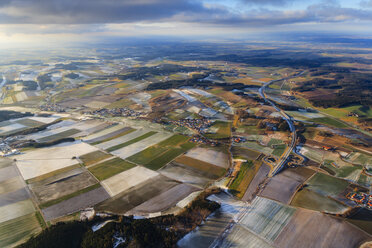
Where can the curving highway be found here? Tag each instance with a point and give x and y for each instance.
(288, 119)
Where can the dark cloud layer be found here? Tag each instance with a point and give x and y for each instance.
(191, 11)
(92, 11)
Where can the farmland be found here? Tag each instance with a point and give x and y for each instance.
(32, 165)
(173, 133)
(14, 231)
(160, 154)
(60, 185)
(110, 168)
(127, 179)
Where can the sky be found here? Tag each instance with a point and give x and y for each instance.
(42, 22)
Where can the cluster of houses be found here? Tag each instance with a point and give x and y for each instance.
(52, 107)
(6, 150)
(125, 112)
(237, 139)
(202, 140)
(362, 199)
(200, 125)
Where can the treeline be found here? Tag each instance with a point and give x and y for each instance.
(197, 81)
(33, 143)
(8, 115)
(45, 81)
(163, 231)
(28, 85)
(31, 130)
(163, 69)
(350, 88)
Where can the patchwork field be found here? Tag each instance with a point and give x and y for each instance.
(212, 170)
(245, 153)
(110, 168)
(127, 179)
(164, 200)
(142, 192)
(312, 229)
(14, 197)
(61, 185)
(94, 157)
(186, 174)
(242, 237)
(284, 185)
(75, 204)
(11, 184)
(139, 146)
(107, 133)
(209, 156)
(162, 153)
(312, 200)
(258, 177)
(41, 161)
(12, 232)
(120, 140)
(266, 218)
(15, 210)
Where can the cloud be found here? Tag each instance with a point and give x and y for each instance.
(95, 16)
(366, 4)
(92, 11)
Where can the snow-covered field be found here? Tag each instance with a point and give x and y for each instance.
(209, 156)
(127, 179)
(45, 160)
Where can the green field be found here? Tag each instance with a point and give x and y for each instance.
(61, 135)
(279, 150)
(162, 153)
(329, 122)
(312, 200)
(19, 229)
(110, 168)
(274, 142)
(146, 135)
(30, 122)
(343, 112)
(94, 157)
(327, 185)
(244, 168)
(223, 130)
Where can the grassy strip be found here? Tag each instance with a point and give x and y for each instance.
(94, 157)
(113, 137)
(241, 174)
(110, 168)
(329, 122)
(40, 219)
(146, 135)
(53, 173)
(247, 179)
(60, 135)
(69, 196)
